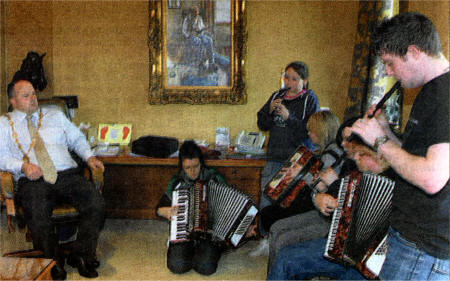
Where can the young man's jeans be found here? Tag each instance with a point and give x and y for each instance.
(404, 262)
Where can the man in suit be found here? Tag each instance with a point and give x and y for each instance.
(34, 146)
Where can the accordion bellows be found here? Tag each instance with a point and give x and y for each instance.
(211, 208)
(360, 223)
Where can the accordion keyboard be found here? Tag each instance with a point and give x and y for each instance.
(179, 221)
(336, 216)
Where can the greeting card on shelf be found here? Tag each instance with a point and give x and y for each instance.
(114, 133)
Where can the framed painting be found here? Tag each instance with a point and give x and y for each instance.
(197, 51)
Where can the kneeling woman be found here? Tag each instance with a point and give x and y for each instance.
(202, 254)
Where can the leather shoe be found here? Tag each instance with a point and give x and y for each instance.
(58, 272)
(84, 269)
(92, 262)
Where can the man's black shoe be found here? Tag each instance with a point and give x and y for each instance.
(92, 262)
(84, 269)
(58, 272)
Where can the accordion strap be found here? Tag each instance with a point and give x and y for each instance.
(338, 158)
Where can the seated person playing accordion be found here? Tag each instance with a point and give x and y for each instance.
(201, 253)
(322, 128)
(311, 252)
(315, 223)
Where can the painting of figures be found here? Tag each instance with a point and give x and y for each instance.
(198, 43)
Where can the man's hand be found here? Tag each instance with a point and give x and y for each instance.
(325, 203)
(369, 129)
(95, 164)
(32, 171)
(381, 117)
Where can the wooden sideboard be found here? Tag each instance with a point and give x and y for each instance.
(134, 184)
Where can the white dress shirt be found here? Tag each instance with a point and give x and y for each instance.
(59, 136)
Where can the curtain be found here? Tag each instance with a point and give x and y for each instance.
(368, 81)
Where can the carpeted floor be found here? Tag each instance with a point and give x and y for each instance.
(136, 250)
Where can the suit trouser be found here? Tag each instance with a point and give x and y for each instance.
(39, 198)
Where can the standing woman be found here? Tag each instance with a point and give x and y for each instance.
(202, 254)
(285, 116)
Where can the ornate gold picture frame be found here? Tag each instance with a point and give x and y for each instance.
(197, 52)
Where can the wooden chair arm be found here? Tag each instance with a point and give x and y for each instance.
(7, 195)
(96, 176)
(7, 184)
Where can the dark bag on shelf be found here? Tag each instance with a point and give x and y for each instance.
(155, 146)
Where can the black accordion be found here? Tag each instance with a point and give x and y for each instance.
(211, 208)
(282, 191)
(360, 223)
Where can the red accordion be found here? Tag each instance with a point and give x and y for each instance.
(360, 223)
(283, 191)
(211, 208)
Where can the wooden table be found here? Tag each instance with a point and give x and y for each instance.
(134, 184)
(25, 268)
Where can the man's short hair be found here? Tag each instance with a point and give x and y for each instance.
(396, 34)
(11, 92)
(12, 84)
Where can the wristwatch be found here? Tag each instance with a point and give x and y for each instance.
(379, 141)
